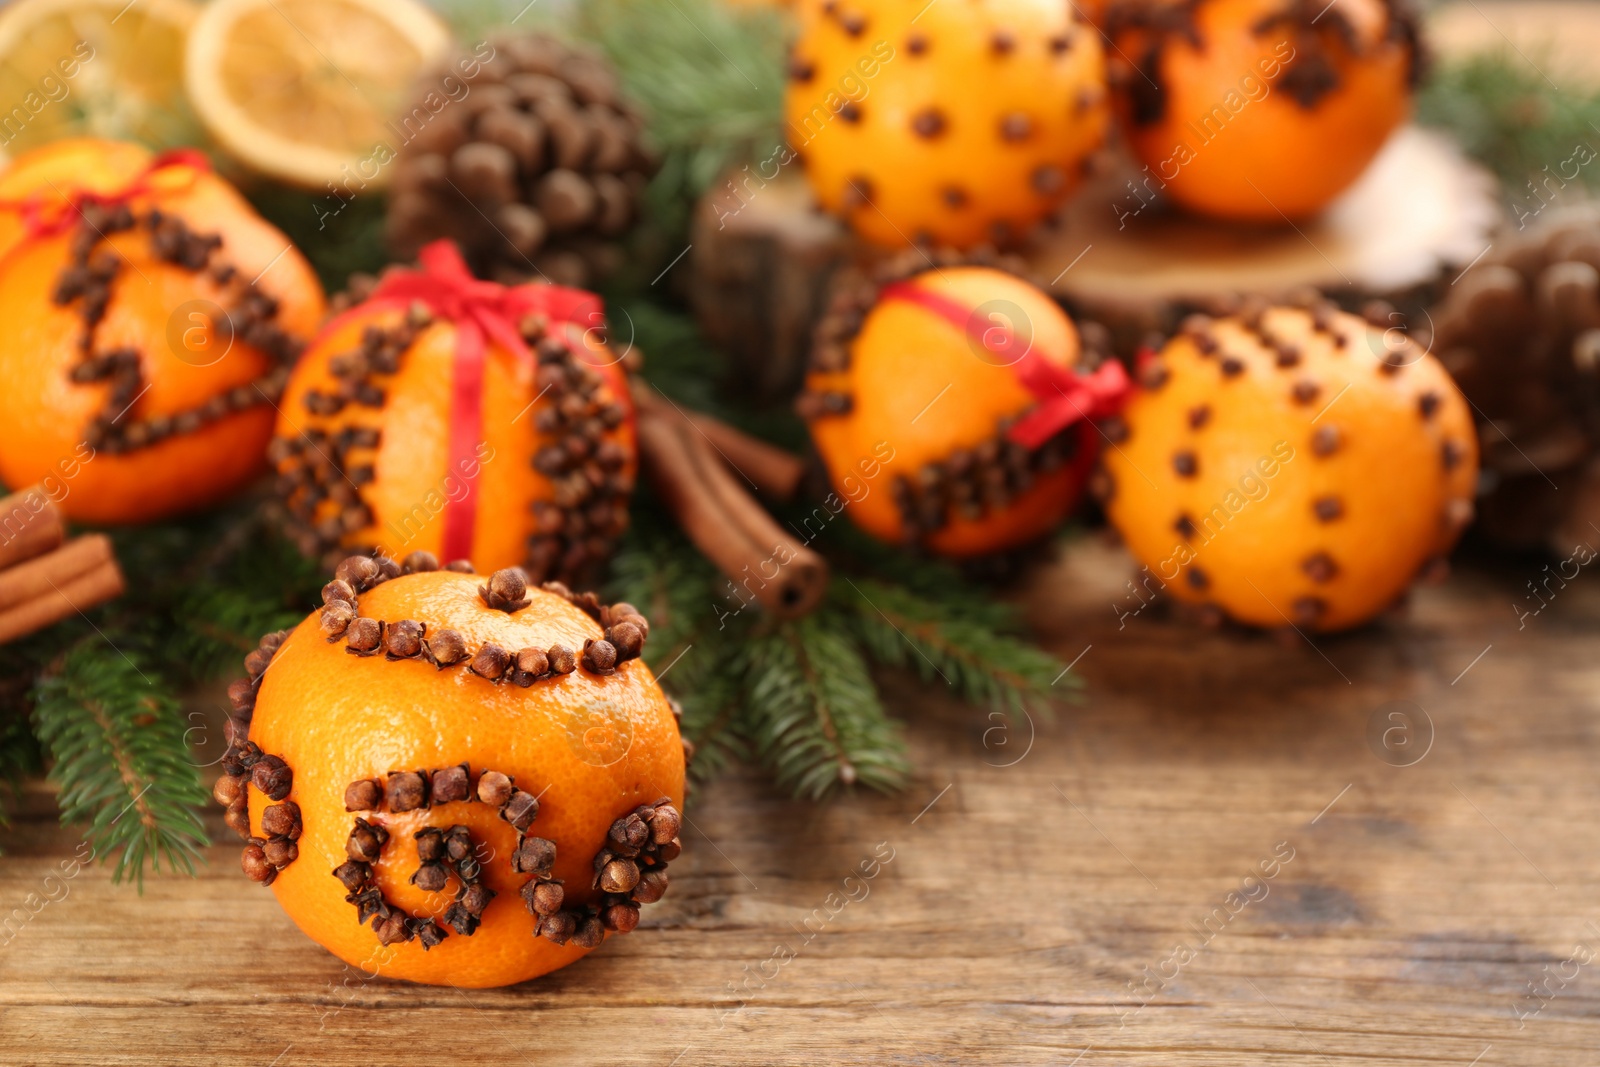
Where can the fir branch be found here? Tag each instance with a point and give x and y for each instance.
(119, 754)
(816, 719)
(678, 363)
(713, 709)
(221, 624)
(19, 757)
(1507, 116)
(338, 236)
(951, 641)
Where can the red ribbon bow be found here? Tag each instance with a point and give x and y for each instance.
(1064, 395)
(49, 211)
(481, 311)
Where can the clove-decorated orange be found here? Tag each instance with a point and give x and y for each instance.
(1292, 467)
(1259, 110)
(153, 318)
(953, 123)
(393, 434)
(453, 778)
(919, 386)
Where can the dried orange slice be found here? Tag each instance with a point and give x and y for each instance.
(105, 68)
(303, 90)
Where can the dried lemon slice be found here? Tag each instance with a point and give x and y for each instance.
(105, 68)
(303, 90)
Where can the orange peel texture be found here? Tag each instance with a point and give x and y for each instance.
(363, 446)
(946, 123)
(1259, 110)
(909, 413)
(1292, 467)
(417, 730)
(172, 408)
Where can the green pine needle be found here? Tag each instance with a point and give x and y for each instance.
(986, 666)
(814, 713)
(116, 737)
(1506, 115)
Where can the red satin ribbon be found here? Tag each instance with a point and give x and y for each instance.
(482, 311)
(1064, 396)
(47, 211)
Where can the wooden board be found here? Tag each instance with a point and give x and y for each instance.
(1420, 209)
(1033, 881)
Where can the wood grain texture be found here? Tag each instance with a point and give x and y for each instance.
(1023, 903)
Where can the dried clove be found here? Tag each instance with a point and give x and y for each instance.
(406, 791)
(494, 788)
(281, 820)
(272, 776)
(364, 794)
(366, 841)
(520, 810)
(430, 877)
(254, 861)
(619, 876)
(599, 657)
(280, 851)
(534, 855)
(506, 590)
(451, 784)
(446, 647)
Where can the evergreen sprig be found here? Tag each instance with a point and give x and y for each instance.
(814, 713)
(949, 640)
(113, 729)
(709, 76)
(799, 697)
(102, 692)
(1508, 116)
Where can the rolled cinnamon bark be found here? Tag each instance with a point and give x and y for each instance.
(724, 521)
(51, 571)
(30, 524)
(80, 594)
(774, 472)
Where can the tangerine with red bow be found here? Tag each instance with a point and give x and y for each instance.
(464, 418)
(153, 319)
(955, 408)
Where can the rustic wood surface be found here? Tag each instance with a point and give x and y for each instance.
(1042, 876)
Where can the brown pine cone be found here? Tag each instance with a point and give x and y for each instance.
(535, 170)
(1520, 331)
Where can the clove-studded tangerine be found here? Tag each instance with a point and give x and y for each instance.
(1259, 110)
(1292, 466)
(153, 320)
(455, 778)
(958, 124)
(954, 407)
(463, 418)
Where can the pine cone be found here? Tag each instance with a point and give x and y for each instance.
(1521, 333)
(535, 170)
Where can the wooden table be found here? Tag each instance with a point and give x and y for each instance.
(1037, 889)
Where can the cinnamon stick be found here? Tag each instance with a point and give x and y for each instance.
(724, 521)
(30, 524)
(51, 571)
(774, 472)
(79, 594)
